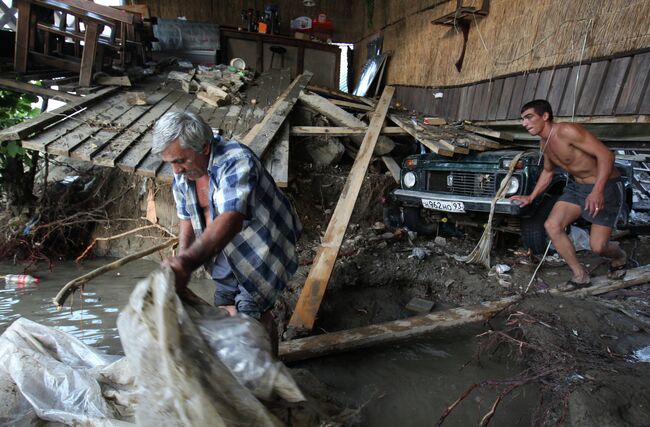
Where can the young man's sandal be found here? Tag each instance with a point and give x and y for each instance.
(570, 285)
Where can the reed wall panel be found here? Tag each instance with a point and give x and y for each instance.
(516, 36)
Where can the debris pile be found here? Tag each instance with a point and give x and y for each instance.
(217, 85)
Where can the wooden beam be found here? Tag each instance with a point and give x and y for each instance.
(489, 132)
(393, 167)
(275, 116)
(333, 93)
(341, 131)
(412, 327)
(276, 160)
(352, 105)
(28, 127)
(304, 314)
(343, 118)
(602, 284)
(443, 148)
(389, 332)
(22, 87)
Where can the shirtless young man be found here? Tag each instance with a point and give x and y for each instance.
(594, 191)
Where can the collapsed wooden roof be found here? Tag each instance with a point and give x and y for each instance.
(108, 129)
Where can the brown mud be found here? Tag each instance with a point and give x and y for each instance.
(576, 352)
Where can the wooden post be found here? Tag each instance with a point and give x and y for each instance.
(88, 55)
(304, 314)
(22, 36)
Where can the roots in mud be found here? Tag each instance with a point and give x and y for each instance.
(61, 223)
(575, 353)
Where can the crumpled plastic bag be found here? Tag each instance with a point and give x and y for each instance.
(181, 380)
(183, 367)
(51, 375)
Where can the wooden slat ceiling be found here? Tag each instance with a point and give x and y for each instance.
(113, 133)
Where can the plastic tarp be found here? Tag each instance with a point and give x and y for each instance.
(183, 366)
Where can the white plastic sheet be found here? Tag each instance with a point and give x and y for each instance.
(183, 367)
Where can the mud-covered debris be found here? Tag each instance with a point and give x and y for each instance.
(420, 253)
(440, 241)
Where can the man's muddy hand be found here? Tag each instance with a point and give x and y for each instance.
(594, 203)
(522, 201)
(182, 272)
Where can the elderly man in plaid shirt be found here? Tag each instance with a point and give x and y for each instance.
(233, 218)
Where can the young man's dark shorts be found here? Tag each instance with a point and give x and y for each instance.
(576, 194)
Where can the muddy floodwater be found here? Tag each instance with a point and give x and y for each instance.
(408, 384)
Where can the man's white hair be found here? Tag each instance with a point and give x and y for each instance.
(189, 128)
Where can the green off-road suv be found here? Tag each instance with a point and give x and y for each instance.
(460, 190)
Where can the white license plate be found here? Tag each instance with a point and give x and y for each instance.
(443, 205)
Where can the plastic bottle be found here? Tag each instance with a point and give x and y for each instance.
(21, 279)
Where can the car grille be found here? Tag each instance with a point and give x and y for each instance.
(464, 183)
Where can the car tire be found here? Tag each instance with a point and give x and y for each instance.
(415, 222)
(533, 234)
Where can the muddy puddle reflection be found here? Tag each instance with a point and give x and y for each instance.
(90, 317)
(405, 385)
(411, 384)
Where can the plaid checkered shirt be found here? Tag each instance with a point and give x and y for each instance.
(263, 254)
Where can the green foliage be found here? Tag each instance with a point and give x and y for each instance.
(14, 108)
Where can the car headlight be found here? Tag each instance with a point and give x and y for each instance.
(513, 187)
(409, 179)
(505, 164)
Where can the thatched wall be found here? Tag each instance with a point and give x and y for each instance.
(516, 36)
(228, 12)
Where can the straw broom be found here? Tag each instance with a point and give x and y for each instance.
(481, 253)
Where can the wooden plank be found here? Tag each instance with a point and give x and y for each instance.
(514, 111)
(136, 154)
(278, 113)
(23, 35)
(95, 143)
(454, 104)
(21, 87)
(304, 314)
(341, 131)
(479, 95)
(343, 118)
(489, 132)
(466, 103)
(333, 93)
(506, 96)
(64, 145)
(544, 84)
(558, 87)
(495, 97)
(645, 101)
(276, 161)
(352, 105)
(390, 332)
(91, 35)
(635, 84)
(591, 89)
(28, 127)
(443, 149)
(530, 88)
(392, 167)
(214, 116)
(107, 136)
(575, 82)
(111, 154)
(228, 123)
(72, 122)
(240, 129)
(612, 85)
